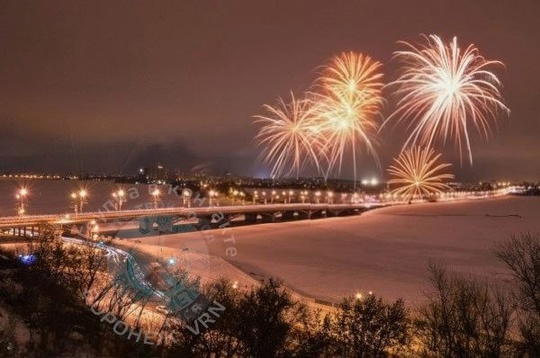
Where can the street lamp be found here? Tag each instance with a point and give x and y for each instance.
(243, 196)
(210, 197)
(186, 196)
(317, 197)
(75, 205)
(89, 227)
(120, 196)
(255, 196)
(330, 197)
(291, 193)
(82, 199)
(79, 199)
(264, 196)
(155, 197)
(273, 195)
(94, 231)
(21, 198)
(234, 194)
(343, 198)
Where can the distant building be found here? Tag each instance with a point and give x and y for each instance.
(153, 174)
(455, 185)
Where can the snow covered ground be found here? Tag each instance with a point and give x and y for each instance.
(385, 250)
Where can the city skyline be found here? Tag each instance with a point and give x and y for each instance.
(175, 84)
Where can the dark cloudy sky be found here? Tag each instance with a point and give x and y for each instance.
(113, 85)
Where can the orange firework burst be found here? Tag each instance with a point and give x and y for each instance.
(416, 171)
(342, 114)
(445, 91)
(348, 105)
(290, 136)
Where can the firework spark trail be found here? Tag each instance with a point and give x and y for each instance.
(348, 106)
(416, 171)
(444, 91)
(319, 130)
(289, 136)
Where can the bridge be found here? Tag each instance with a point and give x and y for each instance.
(209, 215)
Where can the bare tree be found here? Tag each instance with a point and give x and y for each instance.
(369, 327)
(522, 256)
(465, 317)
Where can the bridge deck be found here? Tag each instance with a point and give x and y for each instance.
(105, 216)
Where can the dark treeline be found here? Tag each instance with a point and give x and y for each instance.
(463, 316)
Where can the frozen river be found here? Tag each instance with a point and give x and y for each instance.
(385, 250)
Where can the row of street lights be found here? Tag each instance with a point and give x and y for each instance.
(288, 196)
(80, 198)
(119, 197)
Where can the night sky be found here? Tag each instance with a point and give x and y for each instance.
(109, 86)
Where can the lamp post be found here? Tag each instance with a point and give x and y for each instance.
(255, 196)
(330, 197)
(264, 196)
(21, 198)
(291, 193)
(155, 197)
(317, 197)
(243, 196)
(273, 196)
(303, 195)
(82, 199)
(75, 204)
(79, 199)
(186, 198)
(119, 196)
(94, 232)
(210, 197)
(234, 194)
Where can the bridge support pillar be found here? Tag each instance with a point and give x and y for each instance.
(303, 215)
(205, 223)
(268, 217)
(251, 218)
(287, 215)
(224, 222)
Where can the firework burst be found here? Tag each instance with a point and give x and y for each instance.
(347, 107)
(445, 91)
(290, 136)
(417, 173)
